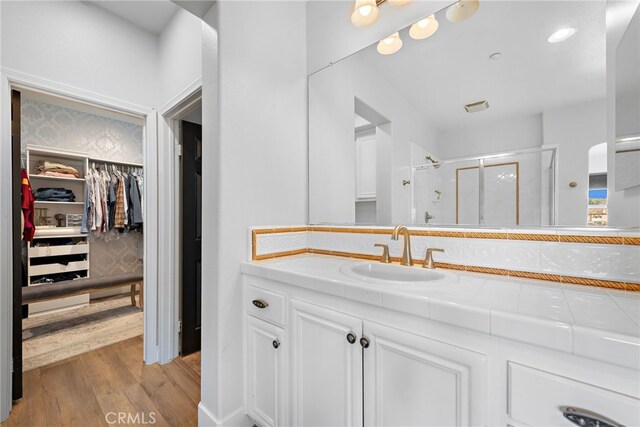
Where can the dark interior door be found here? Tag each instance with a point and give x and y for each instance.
(191, 183)
(16, 207)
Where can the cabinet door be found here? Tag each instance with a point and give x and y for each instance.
(411, 380)
(366, 167)
(265, 373)
(327, 369)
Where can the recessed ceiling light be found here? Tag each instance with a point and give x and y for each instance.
(495, 56)
(561, 35)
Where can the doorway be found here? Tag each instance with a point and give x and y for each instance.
(68, 270)
(191, 239)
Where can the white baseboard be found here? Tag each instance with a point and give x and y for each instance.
(236, 419)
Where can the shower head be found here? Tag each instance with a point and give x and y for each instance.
(435, 163)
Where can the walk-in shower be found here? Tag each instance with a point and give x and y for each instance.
(501, 189)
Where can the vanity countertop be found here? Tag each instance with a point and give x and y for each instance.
(597, 323)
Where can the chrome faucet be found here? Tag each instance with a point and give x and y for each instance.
(406, 249)
(428, 258)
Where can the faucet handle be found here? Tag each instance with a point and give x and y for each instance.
(428, 258)
(385, 253)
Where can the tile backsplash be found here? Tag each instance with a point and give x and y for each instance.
(599, 258)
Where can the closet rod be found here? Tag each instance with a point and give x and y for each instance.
(116, 162)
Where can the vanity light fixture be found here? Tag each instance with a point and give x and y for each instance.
(561, 35)
(462, 10)
(365, 13)
(390, 44)
(424, 28)
(398, 3)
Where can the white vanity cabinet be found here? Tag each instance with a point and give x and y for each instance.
(326, 367)
(343, 362)
(266, 357)
(410, 380)
(265, 372)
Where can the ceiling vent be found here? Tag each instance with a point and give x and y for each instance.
(476, 106)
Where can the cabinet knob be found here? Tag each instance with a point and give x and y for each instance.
(260, 304)
(586, 418)
(276, 343)
(364, 342)
(351, 337)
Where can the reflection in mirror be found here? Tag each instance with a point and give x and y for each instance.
(627, 153)
(598, 185)
(487, 121)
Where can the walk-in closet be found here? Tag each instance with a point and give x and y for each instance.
(82, 203)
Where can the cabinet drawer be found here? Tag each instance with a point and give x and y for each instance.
(265, 305)
(37, 270)
(42, 251)
(535, 398)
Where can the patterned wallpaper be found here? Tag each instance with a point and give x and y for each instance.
(53, 126)
(49, 125)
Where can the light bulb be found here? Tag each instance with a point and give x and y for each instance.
(424, 28)
(390, 45)
(365, 13)
(398, 3)
(462, 10)
(365, 10)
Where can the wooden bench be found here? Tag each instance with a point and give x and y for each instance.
(67, 288)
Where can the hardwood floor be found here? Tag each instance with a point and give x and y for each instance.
(56, 336)
(95, 388)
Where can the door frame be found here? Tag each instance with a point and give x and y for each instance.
(169, 286)
(10, 79)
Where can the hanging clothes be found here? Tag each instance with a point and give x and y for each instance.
(112, 200)
(120, 208)
(135, 213)
(28, 207)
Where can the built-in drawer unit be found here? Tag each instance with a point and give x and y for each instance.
(265, 305)
(539, 398)
(39, 270)
(47, 251)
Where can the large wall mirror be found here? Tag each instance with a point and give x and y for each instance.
(526, 113)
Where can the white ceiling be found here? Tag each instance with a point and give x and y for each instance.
(452, 68)
(150, 15)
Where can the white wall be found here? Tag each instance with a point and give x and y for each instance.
(77, 48)
(575, 129)
(258, 139)
(80, 45)
(331, 36)
(179, 55)
(331, 147)
(505, 135)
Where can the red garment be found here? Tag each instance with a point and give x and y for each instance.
(28, 208)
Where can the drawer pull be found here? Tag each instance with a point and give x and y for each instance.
(364, 342)
(276, 344)
(585, 418)
(260, 304)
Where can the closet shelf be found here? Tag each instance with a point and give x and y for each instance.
(38, 202)
(56, 178)
(114, 162)
(58, 236)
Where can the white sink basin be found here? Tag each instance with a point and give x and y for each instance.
(375, 272)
